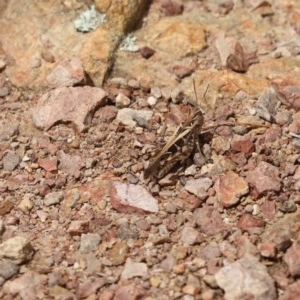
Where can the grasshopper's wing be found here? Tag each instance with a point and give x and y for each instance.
(171, 141)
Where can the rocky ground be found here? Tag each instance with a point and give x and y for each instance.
(88, 97)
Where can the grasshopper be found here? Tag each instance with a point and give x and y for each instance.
(183, 139)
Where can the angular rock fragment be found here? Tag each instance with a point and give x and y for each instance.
(249, 223)
(246, 278)
(290, 96)
(17, 250)
(232, 54)
(242, 144)
(265, 178)
(281, 232)
(225, 46)
(10, 161)
(292, 258)
(89, 242)
(132, 198)
(229, 188)
(209, 220)
(190, 236)
(134, 269)
(8, 129)
(77, 227)
(27, 285)
(131, 117)
(8, 269)
(198, 187)
(266, 104)
(180, 71)
(129, 292)
(67, 73)
(245, 246)
(68, 104)
(53, 198)
(48, 164)
(6, 205)
(26, 204)
(118, 253)
(71, 164)
(267, 249)
(89, 287)
(58, 292)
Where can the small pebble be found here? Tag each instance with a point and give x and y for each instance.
(4, 91)
(26, 204)
(42, 215)
(171, 208)
(143, 224)
(35, 63)
(249, 208)
(177, 95)
(53, 198)
(156, 92)
(2, 63)
(166, 92)
(240, 96)
(146, 52)
(133, 84)
(25, 158)
(252, 111)
(122, 101)
(152, 101)
(12, 220)
(10, 161)
(255, 209)
(119, 81)
(8, 269)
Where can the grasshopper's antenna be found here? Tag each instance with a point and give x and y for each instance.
(195, 92)
(204, 95)
(206, 90)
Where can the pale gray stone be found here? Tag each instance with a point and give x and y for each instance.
(134, 269)
(53, 198)
(246, 278)
(89, 242)
(17, 250)
(10, 161)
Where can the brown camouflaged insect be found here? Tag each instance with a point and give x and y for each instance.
(183, 140)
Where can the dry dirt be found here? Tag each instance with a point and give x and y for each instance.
(82, 118)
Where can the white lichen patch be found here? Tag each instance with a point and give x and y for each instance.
(89, 20)
(128, 44)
